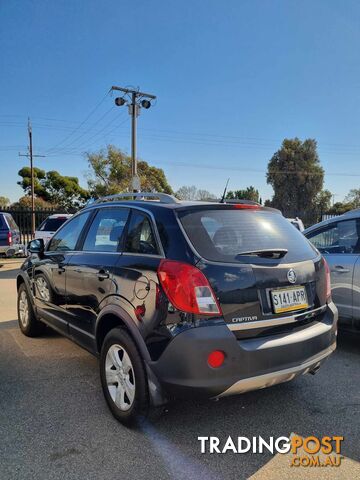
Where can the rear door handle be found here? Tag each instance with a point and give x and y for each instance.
(340, 269)
(103, 275)
(61, 270)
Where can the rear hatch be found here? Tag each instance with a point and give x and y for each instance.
(9, 231)
(264, 272)
(4, 229)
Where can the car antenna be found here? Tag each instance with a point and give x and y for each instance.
(225, 189)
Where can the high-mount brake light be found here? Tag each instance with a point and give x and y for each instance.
(328, 280)
(187, 288)
(245, 206)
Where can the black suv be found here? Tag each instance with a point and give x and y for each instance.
(181, 298)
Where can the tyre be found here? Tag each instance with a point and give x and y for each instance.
(28, 323)
(123, 378)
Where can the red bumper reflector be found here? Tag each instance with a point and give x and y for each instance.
(216, 358)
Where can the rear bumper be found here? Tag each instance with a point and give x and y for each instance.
(280, 376)
(250, 364)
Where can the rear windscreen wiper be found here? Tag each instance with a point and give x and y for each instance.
(267, 253)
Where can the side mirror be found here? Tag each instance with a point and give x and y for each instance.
(36, 246)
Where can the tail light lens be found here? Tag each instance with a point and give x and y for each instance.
(9, 237)
(328, 280)
(187, 288)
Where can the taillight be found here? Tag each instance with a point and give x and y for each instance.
(187, 288)
(9, 237)
(328, 280)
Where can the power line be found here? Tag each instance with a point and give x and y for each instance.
(82, 123)
(80, 152)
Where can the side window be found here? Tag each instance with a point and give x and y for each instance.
(66, 239)
(106, 230)
(140, 237)
(341, 237)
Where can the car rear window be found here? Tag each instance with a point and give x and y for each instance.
(223, 234)
(52, 224)
(2, 222)
(11, 222)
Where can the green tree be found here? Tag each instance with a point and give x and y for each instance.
(4, 201)
(110, 172)
(191, 192)
(53, 188)
(340, 207)
(297, 178)
(353, 197)
(25, 201)
(25, 182)
(323, 201)
(249, 193)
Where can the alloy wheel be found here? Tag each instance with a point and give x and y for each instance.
(24, 309)
(120, 377)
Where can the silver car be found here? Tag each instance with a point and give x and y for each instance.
(338, 239)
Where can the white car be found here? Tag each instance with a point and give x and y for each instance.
(49, 226)
(297, 222)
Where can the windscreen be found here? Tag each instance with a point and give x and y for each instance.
(52, 224)
(224, 234)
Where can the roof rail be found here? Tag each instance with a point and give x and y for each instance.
(142, 196)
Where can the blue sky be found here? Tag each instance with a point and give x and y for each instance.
(233, 78)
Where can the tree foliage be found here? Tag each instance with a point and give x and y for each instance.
(110, 172)
(297, 178)
(249, 193)
(323, 201)
(193, 193)
(4, 201)
(340, 207)
(25, 202)
(353, 198)
(54, 188)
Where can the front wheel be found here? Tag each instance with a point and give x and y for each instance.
(123, 378)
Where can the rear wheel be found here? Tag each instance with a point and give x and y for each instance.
(28, 323)
(123, 378)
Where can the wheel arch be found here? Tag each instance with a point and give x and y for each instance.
(112, 317)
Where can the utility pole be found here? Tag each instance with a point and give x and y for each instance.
(136, 100)
(31, 156)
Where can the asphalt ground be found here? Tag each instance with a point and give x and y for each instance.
(54, 423)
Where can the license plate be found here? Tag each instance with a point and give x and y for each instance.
(289, 299)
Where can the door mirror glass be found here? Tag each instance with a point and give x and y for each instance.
(36, 246)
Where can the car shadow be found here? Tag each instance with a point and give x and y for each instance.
(8, 274)
(348, 341)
